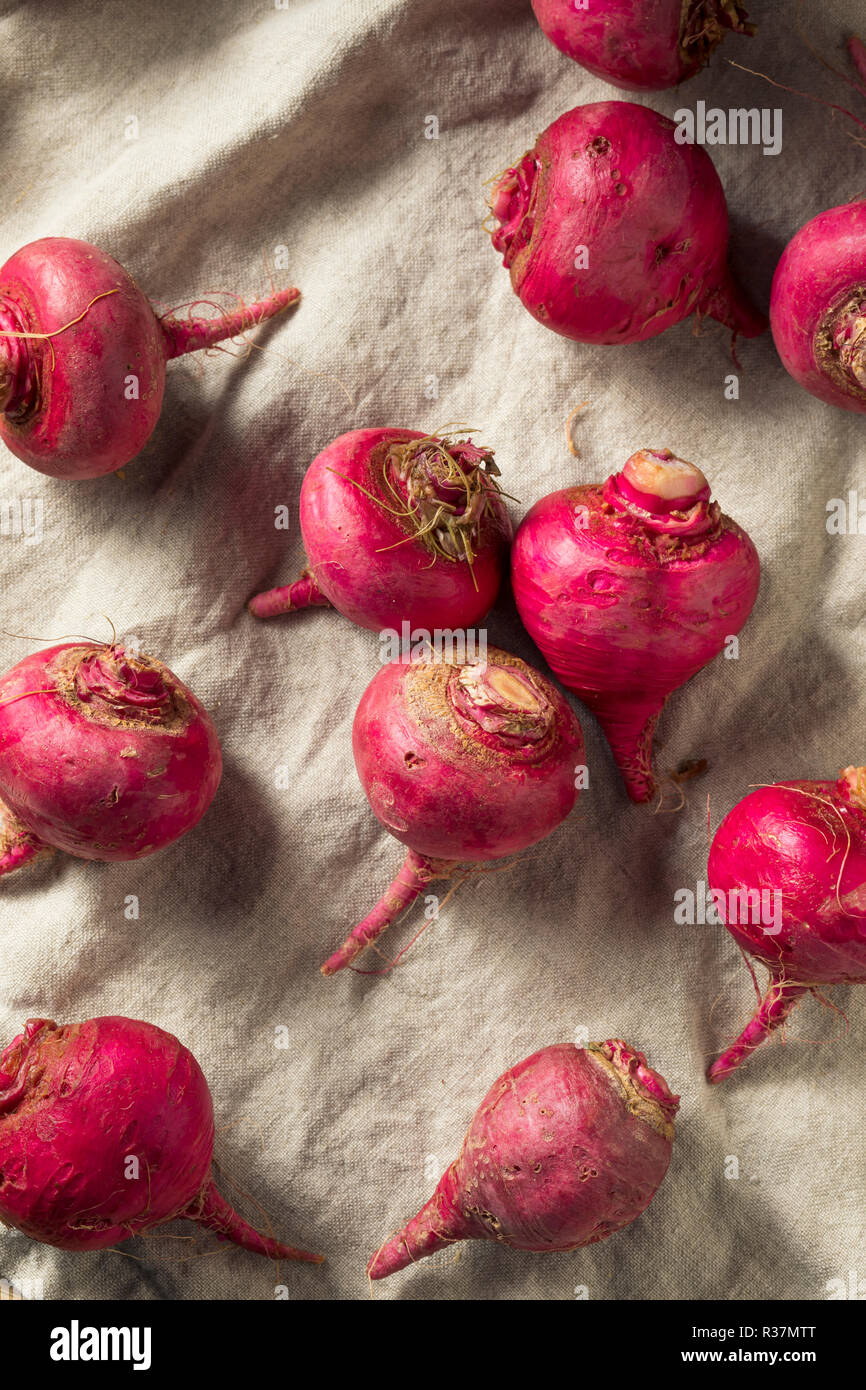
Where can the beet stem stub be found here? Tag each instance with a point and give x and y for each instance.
(19, 383)
(659, 477)
(845, 328)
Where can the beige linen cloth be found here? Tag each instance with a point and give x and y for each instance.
(206, 145)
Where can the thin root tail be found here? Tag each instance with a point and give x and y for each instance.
(413, 878)
(772, 1012)
(304, 593)
(214, 1213)
(193, 334)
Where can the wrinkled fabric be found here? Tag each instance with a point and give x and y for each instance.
(211, 146)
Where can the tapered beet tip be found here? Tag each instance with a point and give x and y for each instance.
(212, 1211)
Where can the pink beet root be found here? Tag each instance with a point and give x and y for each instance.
(613, 232)
(629, 589)
(78, 1104)
(399, 526)
(461, 763)
(818, 306)
(103, 754)
(83, 356)
(566, 1148)
(641, 45)
(787, 867)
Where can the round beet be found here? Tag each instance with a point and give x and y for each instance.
(461, 764)
(83, 356)
(612, 231)
(399, 526)
(641, 45)
(629, 589)
(787, 868)
(566, 1148)
(106, 1131)
(103, 754)
(818, 306)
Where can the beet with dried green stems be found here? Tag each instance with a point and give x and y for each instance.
(463, 764)
(83, 356)
(399, 526)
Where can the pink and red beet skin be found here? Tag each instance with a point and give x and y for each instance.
(446, 785)
(84, 401)
(567, 1147)
(818, 306)
(461, 764)
(805, 842)
(640, 45)
(649, 213)
(628, 595)
(103, 754)
(107, 1131)
(376, 565)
